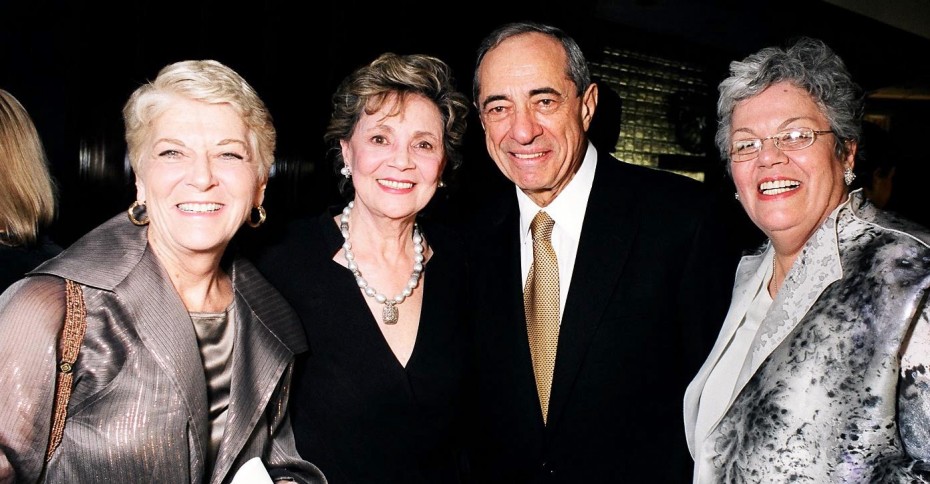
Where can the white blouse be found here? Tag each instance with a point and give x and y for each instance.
(728, 374)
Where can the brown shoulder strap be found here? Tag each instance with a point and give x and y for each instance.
(72, 336)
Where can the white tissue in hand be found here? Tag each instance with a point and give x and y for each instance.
(252, 472)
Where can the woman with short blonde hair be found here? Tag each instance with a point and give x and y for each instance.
(184, 371)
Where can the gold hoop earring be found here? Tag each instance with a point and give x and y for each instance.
(262, 215)
(137, 214)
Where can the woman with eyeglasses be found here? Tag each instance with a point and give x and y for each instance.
(820, 370)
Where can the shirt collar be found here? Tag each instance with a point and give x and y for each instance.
(567, 209)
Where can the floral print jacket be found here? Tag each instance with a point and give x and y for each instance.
(839, 388)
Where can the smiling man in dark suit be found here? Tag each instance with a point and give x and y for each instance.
(641, 283)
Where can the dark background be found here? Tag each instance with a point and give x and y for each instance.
(73, 65)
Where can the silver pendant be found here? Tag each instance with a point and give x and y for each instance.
(389, 314)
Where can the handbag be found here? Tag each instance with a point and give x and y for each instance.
(72, 337)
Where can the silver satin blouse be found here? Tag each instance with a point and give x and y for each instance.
(215, 333)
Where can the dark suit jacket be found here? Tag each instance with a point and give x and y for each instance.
(650, 288)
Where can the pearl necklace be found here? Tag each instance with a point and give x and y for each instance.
(389, 313)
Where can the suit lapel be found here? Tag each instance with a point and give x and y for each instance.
(514, 278)
(166, 330)
(800, 290)
(509, 258)
(502, 324)
(609, 228)
(116, 257)
(267, 336)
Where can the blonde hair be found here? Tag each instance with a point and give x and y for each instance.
(28, 192)
(201, 80)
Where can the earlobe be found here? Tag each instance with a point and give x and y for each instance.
(851, 148)
(260, 193)
(140, 189)
(346, 150)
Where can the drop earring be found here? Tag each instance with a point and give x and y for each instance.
(848, 176)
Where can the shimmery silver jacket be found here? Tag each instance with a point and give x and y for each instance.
(839, 388)
(139, 411)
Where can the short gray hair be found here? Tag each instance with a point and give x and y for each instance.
(207, 81)
(808, 64)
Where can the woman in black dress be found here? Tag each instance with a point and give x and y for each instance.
(379, 290)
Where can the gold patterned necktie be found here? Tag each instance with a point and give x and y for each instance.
(541, 302)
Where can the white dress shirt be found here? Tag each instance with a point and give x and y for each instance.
(568, 211)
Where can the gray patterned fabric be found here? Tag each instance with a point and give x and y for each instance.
(139, 410)
(839, 388)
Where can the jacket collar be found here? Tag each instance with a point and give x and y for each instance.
(611, 223)
(268, 334)
(816, 268)
(103, 257)
(115, 257)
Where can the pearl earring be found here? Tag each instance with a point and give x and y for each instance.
(736, 195)
(346, 171)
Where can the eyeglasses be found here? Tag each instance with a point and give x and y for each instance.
(787, 140)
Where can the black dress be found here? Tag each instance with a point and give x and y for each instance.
(16, 261)
(357, 413)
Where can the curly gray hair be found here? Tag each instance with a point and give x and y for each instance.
(808, 64)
